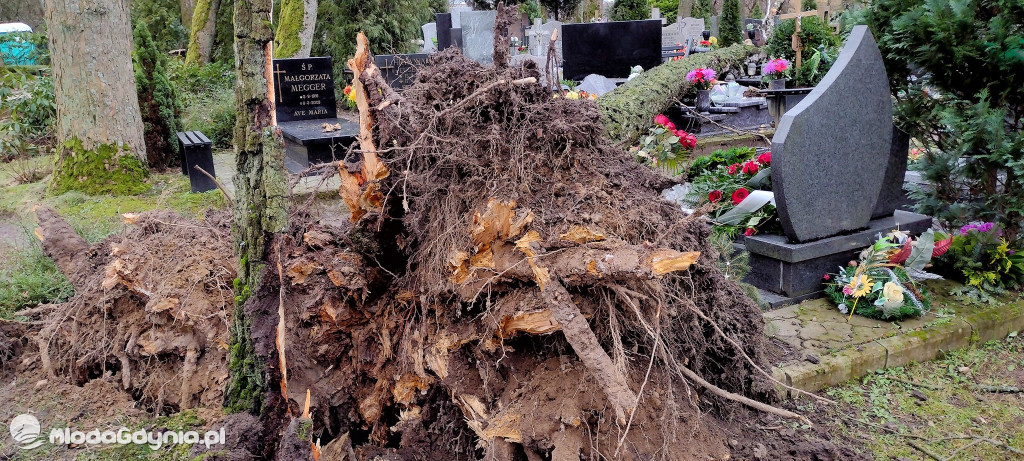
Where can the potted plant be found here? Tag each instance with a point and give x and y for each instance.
(702, 79)
(775, 73)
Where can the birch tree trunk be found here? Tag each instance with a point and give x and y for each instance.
(294, 37)
(203, 32)
(260, 195)
(99, 126)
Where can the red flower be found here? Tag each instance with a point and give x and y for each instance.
(348, 89)
(765, 158)
(715, 196)
(661, 119)
(670, 126)
(750, 167)
(739, 195)
(750, 231)
(734, 168)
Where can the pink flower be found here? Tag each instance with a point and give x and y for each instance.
(828, 277)
(765, 159)
(847, 290)
(750, 231)
(670, 126)
(661, 119)
(750, 167)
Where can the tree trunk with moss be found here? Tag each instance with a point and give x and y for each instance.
(294, 37)
(629, 110)
(260, 197)
(99, 127)
(204, 29)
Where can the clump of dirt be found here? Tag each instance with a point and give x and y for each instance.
(151, 306)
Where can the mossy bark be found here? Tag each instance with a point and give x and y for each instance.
(629, 110)
(204, 29)
(294, 37)
(260, 196)
(104, 169)
(98, 125)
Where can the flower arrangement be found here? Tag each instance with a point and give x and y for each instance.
(665, 146)
(706, 43)
(576, 95)
(879, 285)
(702, 78)
(350, 98)
(775, 69)
(724, 186)
(980, 256)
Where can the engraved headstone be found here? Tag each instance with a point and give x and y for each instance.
(547, 29)
(304, 89)
(831, 150)
(691, 28)
(672, 35)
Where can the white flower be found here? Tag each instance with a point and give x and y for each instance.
(893, 294)
(843, 308)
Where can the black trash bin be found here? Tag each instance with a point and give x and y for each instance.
(197, 150)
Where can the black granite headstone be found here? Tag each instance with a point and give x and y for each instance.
(304, 89)
(610, 49)
(399, 70)
(444, 30)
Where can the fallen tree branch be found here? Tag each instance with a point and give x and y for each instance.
(223, 190)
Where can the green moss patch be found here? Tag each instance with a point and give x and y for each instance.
(106, 169)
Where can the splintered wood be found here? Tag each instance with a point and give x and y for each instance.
(580, 256)
(361, 189)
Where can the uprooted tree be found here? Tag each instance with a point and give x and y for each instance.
(510, 283)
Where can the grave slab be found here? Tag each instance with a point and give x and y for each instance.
(610, 49)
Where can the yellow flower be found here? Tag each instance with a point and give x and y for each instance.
(893, 293)
(714, 40)
(572, 95)
(860, 286)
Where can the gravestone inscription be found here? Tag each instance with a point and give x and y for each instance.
(691, 28)
(304, 89)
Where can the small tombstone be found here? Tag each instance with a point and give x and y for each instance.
(304, 89)
(429, 37)
(456, 13)
(610, 49)
(714, 26)
(596, 85)
(399, 70)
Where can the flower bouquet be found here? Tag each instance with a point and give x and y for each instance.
(701, 78)
(775, 73)
(880, 284)
(726, 187)
(980, 257)
(665, 146)
(350, 98)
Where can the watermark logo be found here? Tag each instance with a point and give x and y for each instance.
(25, 430)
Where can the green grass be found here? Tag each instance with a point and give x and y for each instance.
(882, 414)
(31, 278)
